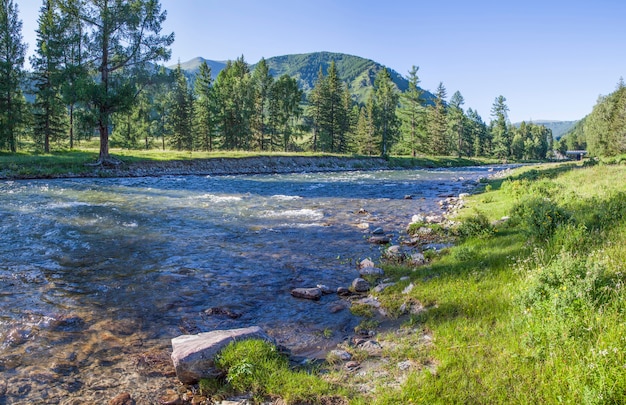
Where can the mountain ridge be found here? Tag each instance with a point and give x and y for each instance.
(357, 72)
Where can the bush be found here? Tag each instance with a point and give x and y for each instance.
(477, 225)
(540, 217)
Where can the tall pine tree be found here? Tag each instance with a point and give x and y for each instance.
(49, 109)
(12, 53)
(411, 113)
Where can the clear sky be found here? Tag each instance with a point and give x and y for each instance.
(551, 59)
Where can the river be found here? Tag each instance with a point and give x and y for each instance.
(97, 275)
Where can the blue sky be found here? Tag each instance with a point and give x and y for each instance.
(550, 59)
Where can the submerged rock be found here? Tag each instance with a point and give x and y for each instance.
(194, 355)
(379, 240)
(122, 399)
(307, 293)
(222, 311)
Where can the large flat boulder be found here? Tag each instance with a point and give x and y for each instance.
(194, 355)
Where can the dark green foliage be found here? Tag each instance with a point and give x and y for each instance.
(500, 130)
(49, 109)
(386, 121)
(12, 52)
(412, 114)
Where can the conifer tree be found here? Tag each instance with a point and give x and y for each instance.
(500, 128)
(205, 110)
(180, 112)
(411, 113)
(386, 103)
(456, 120)
(436, 124)
(123, 37)
(284, 110)
(12, 53)
(49, 110)
(262, 82)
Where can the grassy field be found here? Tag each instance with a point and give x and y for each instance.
(526, 310)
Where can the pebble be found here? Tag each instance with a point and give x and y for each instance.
(360, 285)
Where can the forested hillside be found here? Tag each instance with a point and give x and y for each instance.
(356, 72)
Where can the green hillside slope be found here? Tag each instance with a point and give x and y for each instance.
(359, 73)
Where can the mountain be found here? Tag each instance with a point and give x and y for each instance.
(559, 128)
(192, 67)
(359, 73)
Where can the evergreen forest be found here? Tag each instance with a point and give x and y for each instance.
(95, 74)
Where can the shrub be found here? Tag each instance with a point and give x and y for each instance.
(477, 225)
(540, 217)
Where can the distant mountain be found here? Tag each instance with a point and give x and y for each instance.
(559, 128)
(359, 73)
(192, 67)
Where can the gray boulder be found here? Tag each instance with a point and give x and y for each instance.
(194, 355)
(360, 285)
(371, 271)
(307, 293)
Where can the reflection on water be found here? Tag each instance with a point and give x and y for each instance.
(97, 275)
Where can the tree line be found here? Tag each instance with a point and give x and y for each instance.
(603, 131)
(95, 72)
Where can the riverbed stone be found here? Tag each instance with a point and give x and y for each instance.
(417, 259)
(371, 272)
(366, 263)
(341, 354)
(360, 285)
(122, 399)
(378, 231)
(307, 293)
(325, 289)
(194, 355)
(379, 240)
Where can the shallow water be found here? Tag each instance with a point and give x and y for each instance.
(97, 275)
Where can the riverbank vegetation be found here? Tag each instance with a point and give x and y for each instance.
(527, 307)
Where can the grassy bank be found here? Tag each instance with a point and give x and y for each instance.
(79, 162)
(530, 309)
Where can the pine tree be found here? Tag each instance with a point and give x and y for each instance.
(365, 137)
(49, 110)
(500, 128)
(234, 90)
(262, 82)
(386, 102)
(332, 111)
(456, 124)
(284, 110)
(478, 134)
(316, 106)
(436, 124)
(123, 37)
(411, 113)
(74, 69)
(205, 110)
(12, 53)
(180, 112)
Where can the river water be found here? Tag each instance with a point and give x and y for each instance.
(97, 275)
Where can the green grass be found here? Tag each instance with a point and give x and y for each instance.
(258, 368)
(529, 314)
